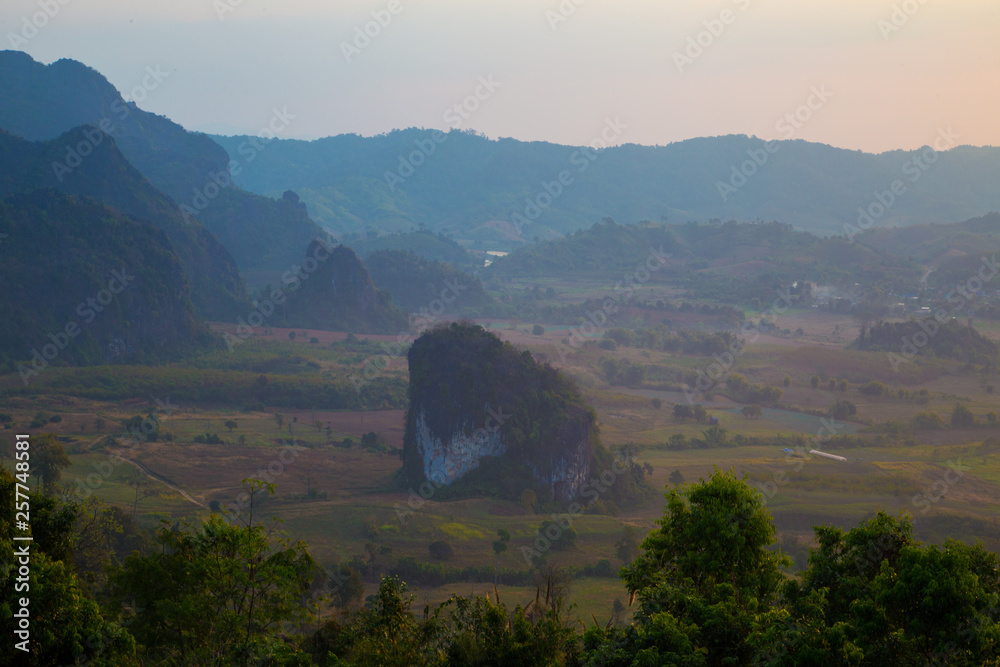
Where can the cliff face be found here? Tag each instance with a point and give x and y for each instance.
(487, 418)
(331, 289)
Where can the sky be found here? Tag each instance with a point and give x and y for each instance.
(871, 75)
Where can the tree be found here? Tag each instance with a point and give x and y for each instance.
(962, 417)
(875, 591)
(682, 412)
(346, 586)
(814, 381)
(706, 580)
(440, 550)
(676, 477)
(499, 547)
(48, 459)
(66, 627)
(843, 409)
(657, 403)
(279, 419)
(786, 381)
(216, 590)
(231, 424)
(627, 547)
(752, 411)
(538, 330)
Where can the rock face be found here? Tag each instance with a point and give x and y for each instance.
(331, 289)
(487, 418)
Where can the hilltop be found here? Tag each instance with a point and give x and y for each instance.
(41, 102)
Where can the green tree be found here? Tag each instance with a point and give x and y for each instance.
(627, 547)
(346, 587)
(48, 459)
(706, 580)
(962, 417)
(873, 595)
(66, 625)
(231, 424)
(499, 547)
(217, 591)
(814, 381)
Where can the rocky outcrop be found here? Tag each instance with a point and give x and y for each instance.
(485, 417)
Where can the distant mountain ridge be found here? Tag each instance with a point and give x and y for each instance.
(41, 102)
(497, 194)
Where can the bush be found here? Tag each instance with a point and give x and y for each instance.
(873, 389)
(538, 330)
(440, 550)
(962, 417)
(927, 420)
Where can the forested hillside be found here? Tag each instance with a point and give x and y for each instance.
(216, 287)
(85, 284)
(497, 194)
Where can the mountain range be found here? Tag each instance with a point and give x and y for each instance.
(498, 194)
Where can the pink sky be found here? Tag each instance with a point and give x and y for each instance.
(884, 88)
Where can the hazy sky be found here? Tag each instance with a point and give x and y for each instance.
(885, 85)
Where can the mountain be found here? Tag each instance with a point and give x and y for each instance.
(952, 253)
(85, 284)
(332, 290)
(41, 102)
(485, 417)
(497, 194)
(416, 284)
(217, 289)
